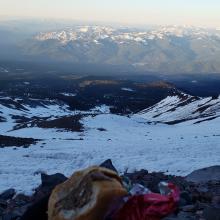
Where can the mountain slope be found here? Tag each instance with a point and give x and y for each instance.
(182, 107)
(46, 145)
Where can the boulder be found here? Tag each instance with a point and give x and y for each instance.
(48, 182)
(8, 194)
(211, 213)
(108, 164)
(38, 207)
(185, 199)
(182, 216)
(205, 175)
(86, 195)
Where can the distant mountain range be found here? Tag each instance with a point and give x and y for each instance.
(168, 50)
(163, 49)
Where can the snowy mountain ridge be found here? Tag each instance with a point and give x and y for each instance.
(97, 33)
(182, 107)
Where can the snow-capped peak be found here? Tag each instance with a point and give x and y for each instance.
(98, 33)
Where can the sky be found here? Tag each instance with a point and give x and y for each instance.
(159, 12)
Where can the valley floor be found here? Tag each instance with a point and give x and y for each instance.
(130, 142)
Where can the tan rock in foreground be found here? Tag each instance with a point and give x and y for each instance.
(86, 195)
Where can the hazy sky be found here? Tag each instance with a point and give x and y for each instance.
(190, 12)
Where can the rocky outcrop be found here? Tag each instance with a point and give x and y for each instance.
(199, 197)
(205, 175)
(22, 207)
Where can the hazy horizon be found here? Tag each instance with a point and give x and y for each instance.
(158, 12)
